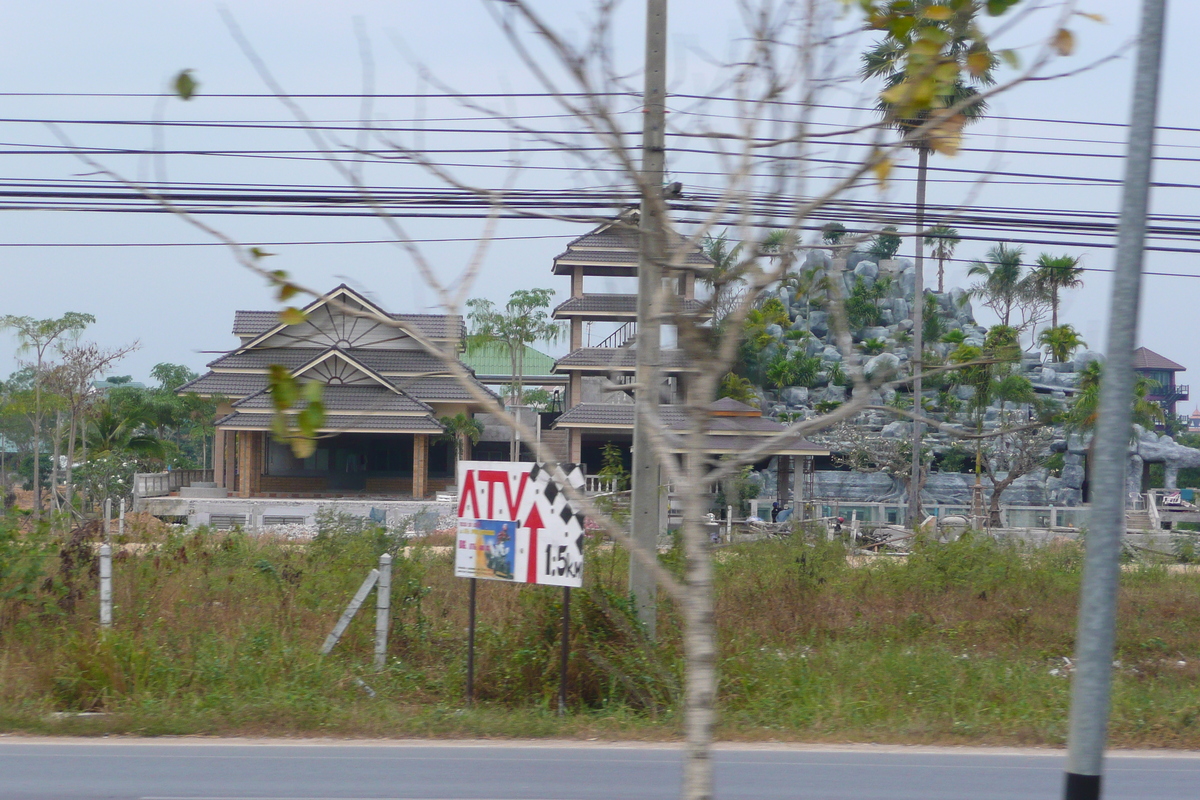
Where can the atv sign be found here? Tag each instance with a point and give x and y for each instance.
(515, 523)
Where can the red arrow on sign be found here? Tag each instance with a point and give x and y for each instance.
(534, 523)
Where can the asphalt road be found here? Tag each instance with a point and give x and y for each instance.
(54, 769)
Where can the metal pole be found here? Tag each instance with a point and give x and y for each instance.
(566, 651)
(471, 645)
(918, 356)
(1094, 641)
(106, 604)
(644, 502)
(383, 609)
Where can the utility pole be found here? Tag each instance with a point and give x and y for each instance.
(1096, 632)
(644, 502)
(918, 356)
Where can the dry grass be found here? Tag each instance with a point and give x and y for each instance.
(218, 633)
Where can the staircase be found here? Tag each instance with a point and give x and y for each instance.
(556, 441)
(1138, 521)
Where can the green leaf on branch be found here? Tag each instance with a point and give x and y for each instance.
(185, 85)
(292, 316)
(257, 253)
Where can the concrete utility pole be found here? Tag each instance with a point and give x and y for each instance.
(1092, 685)
(644, 505)
(918, 356)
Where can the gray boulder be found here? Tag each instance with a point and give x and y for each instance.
(867, 270)
(882, 365)
(795, 395)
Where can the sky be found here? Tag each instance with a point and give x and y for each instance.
(94, 70)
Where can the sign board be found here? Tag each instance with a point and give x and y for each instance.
(516, 524)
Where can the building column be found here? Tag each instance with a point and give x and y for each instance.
(577, 282)
(243, 463)
(257, 464)
(218, 457)
(783, 473)
(420, 482)
(574, 390)
(229, 455)
(574, 446)
(576, 333)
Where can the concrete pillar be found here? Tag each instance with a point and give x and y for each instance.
(576, 333)
(574, 446)
(577, 282)
(257, 463)
(420, 465)
(243, 464)
(229, 455)
(575, 390)
(218, 457)
(783, 473)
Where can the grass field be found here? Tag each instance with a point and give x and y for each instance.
(218, 634)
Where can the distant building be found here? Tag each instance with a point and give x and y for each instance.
(1161, 370)
(1194, 422)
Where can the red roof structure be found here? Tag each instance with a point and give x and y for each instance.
(1144, 358)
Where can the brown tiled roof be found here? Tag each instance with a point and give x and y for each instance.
(256, 323)
(1144, 358)
(413, 362)
(438, 389)
(613, 415)
(611, 304)
(616, 247)
(617, 359)
(364, 423)
(349, 398)
(230, 384)
(724, 434)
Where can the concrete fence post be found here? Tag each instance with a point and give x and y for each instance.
(383, 609)
(107, 517)
(121, 520)
(105, 586)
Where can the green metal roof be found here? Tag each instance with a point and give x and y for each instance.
(492, 361)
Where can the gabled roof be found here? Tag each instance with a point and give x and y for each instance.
(349, 399)
(343, 356)
(613, 247)
(261, 325)
(1144, 358)
(341, 423)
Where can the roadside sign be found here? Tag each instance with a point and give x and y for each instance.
(516, 524)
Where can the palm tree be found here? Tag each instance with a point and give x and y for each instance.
(110, 432)
(1061, 342)
(1003, 282)
(1084, 412)
(908, 72)
(1054, 273)
(460, 429)
(941, 241)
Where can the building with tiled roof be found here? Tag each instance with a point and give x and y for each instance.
(384, 394)
(1160, 371)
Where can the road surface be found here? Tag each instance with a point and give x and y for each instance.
(225, 769)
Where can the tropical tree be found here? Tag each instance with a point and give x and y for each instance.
(1055, 273)
(1084, 412)
(113, 433)
(724, 279)
(1003, 280)
(525, 320)
(1061, 342)
(933, 61)
(736, 387)
(459, 430)
(37, 336)
(885, 244)
(941, 241)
